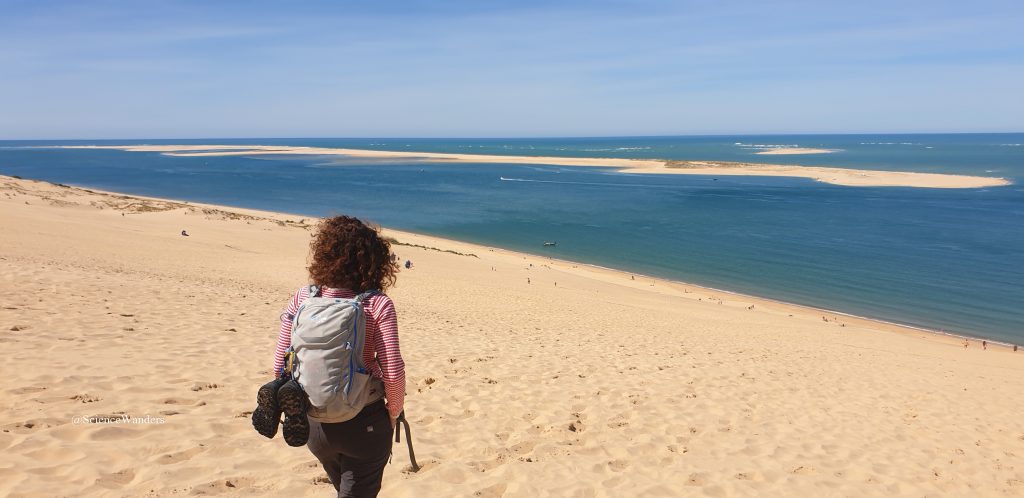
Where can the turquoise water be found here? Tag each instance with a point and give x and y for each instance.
(940, 259)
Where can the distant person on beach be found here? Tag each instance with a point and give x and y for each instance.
(966, 343)
(984, 344)
(350, 260)
(408, 264)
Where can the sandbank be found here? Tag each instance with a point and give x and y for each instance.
(782, 151)
(837, 176)
(582, 382)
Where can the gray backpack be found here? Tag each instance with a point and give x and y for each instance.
(328, 336)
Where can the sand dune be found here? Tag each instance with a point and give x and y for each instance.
(837, 176)
(598, 386)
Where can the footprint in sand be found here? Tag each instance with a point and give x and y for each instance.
(183, 402)
(200, 386)
(33, 425)
(303, 467)
(522, 448)
(485, 465)
(494, 491)
(117, 479)
(179, 456)
(618, 465)
(27, 390)
(221, 486)
(85, 398)
(803, 470)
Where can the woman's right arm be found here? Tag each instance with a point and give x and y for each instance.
(284, 336)
(389, 356)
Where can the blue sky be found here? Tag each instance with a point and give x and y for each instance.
(181, 69)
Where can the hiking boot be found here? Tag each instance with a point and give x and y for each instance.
(267, 415)
(293, 402)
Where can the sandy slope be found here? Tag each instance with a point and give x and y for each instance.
(837, 176)
(599, 386)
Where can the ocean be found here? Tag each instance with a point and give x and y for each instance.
(941, 259)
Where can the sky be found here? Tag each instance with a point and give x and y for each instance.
(477, 68)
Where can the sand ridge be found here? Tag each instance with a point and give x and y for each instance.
(836, 176)
(583, 382)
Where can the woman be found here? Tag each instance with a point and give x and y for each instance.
(349, 258)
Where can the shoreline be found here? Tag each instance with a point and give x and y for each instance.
(836, 176)
(903, 328)
(464, 246)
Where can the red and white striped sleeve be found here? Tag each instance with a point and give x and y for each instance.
(284, 337)
(388, 354)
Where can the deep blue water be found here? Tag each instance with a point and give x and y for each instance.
(941, 259)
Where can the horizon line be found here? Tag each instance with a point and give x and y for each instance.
(517, 137)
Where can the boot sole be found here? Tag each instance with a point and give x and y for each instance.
(267, 415)
(292, 401)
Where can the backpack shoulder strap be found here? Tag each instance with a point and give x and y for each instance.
(365, 295)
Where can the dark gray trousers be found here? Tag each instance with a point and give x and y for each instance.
(355, 452)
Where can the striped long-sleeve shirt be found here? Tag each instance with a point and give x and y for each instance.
(381, 353)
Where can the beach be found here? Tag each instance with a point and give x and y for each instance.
(135, 354)
(837, 176)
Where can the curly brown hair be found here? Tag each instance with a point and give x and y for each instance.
(349, 254)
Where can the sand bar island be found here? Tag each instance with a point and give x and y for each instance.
(836, 176)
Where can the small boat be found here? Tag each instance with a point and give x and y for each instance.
(550, 244)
